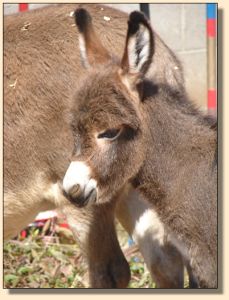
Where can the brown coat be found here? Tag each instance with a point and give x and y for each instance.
(148, 133)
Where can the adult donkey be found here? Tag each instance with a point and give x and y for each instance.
(129, 130)
(41, 68)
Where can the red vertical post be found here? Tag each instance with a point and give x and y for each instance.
(211, 41)
(23, 7)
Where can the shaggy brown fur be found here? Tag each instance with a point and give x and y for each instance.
(166, 149)
(43, 64)
(41, 69)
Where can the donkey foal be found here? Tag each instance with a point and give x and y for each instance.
(129, 130)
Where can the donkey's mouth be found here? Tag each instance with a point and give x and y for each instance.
(91, 198)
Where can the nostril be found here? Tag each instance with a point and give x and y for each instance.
(75, 191)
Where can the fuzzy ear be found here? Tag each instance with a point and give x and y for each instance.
(139, 46)
(138, 52)
(91, 49)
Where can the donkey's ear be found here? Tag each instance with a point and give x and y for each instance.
(139, 49)
(139, 46)
(91, 49)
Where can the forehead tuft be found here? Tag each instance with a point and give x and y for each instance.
(98, 84)
(99, 102)
(98, 89)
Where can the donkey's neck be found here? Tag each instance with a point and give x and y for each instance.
(180, 137)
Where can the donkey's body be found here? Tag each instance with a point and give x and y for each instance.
(43, 63)
(41, 67)
(148, 134)
(180, 178)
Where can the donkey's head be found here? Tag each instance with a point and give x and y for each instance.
(106, 115)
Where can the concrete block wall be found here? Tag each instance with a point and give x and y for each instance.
(12, 8)
(183, 28)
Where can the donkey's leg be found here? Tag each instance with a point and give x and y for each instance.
(94, 229)
(163, 260)
(193, 284)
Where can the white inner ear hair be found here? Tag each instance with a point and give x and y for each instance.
(139, 49)
(83, 51)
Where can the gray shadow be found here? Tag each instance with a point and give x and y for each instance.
(220, 109)
(112, 291)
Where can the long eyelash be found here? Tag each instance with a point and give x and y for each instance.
(109, 134)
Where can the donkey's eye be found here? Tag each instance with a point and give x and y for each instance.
(110, 134)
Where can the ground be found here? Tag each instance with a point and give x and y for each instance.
(49, 257)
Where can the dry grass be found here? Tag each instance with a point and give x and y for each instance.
(50, 258)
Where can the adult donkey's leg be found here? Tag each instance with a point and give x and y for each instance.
(94, 229)
(163, 260)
